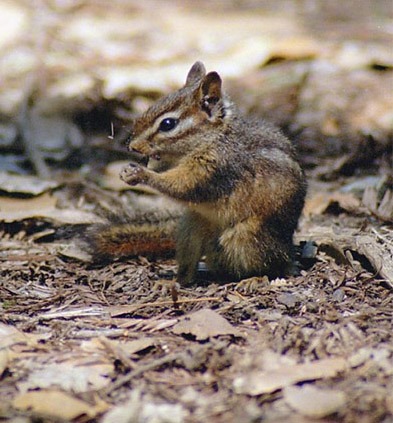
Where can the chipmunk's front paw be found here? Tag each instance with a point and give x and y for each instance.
(133, 174)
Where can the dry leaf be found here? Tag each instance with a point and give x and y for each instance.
(126, 347)
(205, 324)
(70, 375)
(43, 206)
(314, 402)
(10, 336)
(55, 404)
(141, 408)
(12, 209)
(319, 203)
(360, 357)
(76, 252)
(379, 251)
(25, 184)
(383, 209)
(132, 347)
(265, 382)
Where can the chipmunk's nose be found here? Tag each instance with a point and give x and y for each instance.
(135, 146)
(141, 146)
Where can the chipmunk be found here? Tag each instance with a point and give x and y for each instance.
(238, 179)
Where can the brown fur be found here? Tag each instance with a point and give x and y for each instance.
(109, 241)
(238, 178)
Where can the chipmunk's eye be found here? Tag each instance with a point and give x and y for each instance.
(168, 124)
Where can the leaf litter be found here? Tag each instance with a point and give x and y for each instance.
(121, 341)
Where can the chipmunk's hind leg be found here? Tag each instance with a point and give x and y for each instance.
(194, 234)
(248, 250)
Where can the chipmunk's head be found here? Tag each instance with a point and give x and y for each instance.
(179, 122)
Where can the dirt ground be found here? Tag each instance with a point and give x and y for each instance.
(121, 342)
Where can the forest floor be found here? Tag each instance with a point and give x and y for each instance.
(121, 341)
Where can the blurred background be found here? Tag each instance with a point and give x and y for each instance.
(74, 72)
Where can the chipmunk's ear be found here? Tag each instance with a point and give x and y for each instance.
(196, 73)
(211, 86)
(210, 92)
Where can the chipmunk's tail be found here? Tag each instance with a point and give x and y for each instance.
(109, 241)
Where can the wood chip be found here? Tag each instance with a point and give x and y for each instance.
(205, 324)
(268, 381)
(55, 404)
(314, 402)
